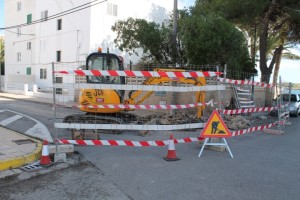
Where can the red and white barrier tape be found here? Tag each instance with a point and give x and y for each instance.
(146, 106)
(251, 110)
(191, 74)
(155, 143)
(247, 110)
(252, 129)
(245, 82)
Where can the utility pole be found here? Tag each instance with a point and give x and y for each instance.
(175, 32)
(174, 51)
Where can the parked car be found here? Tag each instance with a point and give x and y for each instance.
(294, 106)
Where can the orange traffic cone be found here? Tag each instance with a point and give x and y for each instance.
(45, 159)
(171, 156)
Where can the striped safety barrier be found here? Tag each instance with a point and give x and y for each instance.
(245, 82)
(252, 129)
(252, 110)
(129, 73)
(155, 143)
(146, 106)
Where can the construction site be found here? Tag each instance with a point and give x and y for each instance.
(104, 99)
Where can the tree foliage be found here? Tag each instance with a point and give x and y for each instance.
(212, 39)
(2, 56)
(136, 34)
(1, 50)
(266, 20)
(200, 40)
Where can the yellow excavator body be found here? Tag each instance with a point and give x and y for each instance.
(91, 97)
(91, 100)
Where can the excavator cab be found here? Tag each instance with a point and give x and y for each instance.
(89, 97)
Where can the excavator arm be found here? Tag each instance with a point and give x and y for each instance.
(138, 96)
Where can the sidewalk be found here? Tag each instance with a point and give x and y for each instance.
(16, 149)
(26, 98)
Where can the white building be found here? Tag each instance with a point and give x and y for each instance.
(47, 31)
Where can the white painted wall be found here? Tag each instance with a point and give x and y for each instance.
(101, 22)
(82, 32)
(15, 43)
(72, 40)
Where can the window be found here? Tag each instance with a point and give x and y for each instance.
(112, 9)
(44, 15)
(58, 80)
(59, 24)
(58, 56)
(28, 70)
(28, 45)
(19, 5)
(43, 73)
(29, 18)
(19, 56)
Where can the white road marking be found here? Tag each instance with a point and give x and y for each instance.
(39, 130)
(10, 120)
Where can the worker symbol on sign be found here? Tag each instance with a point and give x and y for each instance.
(214, 128)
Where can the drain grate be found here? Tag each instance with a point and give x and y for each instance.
(31, 167)
(20, 142)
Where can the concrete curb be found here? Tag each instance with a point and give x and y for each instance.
(26, 99)
(22, 160)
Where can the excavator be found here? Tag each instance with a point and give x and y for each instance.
(89, 99)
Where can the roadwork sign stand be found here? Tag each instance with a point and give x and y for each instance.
(215, 144)
(215, 128)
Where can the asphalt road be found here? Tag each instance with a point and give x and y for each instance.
(264, 166)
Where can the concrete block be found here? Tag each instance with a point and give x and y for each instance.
(288, 123)
(60, 157)
(216, 148)
(65, 148)
(274, 132)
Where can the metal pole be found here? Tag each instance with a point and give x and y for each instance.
(175, 22)
(280, 104)
(175, 32)
(174, 50)
(219, 94)
(253, 61)
(54, 102)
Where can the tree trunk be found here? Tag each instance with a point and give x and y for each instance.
(277, 63)
(265, 71)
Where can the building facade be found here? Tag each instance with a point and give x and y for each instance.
(64, 32)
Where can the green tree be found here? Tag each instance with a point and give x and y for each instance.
(200, 40)
(1, 50)
(137, 34)
(211, 39)
(262, 19)
(2, 56)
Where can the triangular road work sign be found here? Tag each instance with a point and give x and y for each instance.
(215, 127)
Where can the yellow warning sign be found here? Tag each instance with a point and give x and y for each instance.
(215, 127)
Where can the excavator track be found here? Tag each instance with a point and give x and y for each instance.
(92, 118)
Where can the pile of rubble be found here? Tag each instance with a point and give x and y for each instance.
(237, 122)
